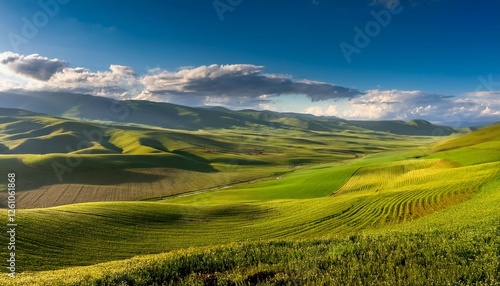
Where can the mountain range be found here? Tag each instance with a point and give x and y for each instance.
(166, 115)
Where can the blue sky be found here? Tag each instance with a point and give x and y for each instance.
(429, 55)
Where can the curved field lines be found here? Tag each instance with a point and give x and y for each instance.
(407, 190)
(118, 230)
(122, 185)
(389, 176)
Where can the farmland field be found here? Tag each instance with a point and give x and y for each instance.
(145, 205)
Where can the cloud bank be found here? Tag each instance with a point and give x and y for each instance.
(239, 82)
(236, 83)
(481, 106)
(244, 86)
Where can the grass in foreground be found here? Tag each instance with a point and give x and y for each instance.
(457, 246)
(85, 234)
(434, 258)
(370, 229)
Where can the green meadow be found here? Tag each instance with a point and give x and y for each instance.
(254, 205)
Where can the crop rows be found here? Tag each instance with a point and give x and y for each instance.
(405, 192)
(388, 176)
(40, 188)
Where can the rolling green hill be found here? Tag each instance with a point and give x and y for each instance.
(477, 147)
(64, 159)
(254, 198)
(414, 127)
(166, 115)
(404, 216)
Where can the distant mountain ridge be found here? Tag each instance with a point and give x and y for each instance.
(167, 115)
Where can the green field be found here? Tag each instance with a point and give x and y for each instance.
(253, 206)
(151, 162)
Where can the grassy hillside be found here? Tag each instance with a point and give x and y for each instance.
(466, 258)
(166, 115)
(23, 132)
(458, 245)
(414, 127)
(250, 206)
(371, 195)
(486, 135)
(121, 230)
(62, 160)
(478, 147)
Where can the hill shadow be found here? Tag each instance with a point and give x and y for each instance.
(155, 144)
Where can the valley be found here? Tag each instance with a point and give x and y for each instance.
(139, 204)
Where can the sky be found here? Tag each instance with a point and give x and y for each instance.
(357, 59)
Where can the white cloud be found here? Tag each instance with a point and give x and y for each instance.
(122, 70)
(243, 86)
(120, 81)
(267, 106)
(408, 105)
(33, 66)
(489, 112)
(34, 72)
(331, 110)
(238, 82)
